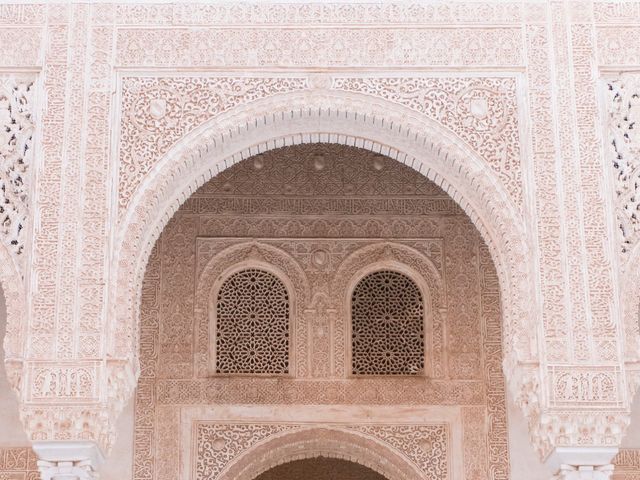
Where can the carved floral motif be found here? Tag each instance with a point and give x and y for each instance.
(482, 110)
(160, 110)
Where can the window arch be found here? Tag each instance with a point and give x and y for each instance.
(252, 324)
(387, 325)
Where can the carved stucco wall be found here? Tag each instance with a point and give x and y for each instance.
(320, 214)
(554, 51)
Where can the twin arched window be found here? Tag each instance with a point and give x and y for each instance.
(252, 325)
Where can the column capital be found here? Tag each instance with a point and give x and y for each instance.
(68, 460)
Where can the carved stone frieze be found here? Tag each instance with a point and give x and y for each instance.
(313, 14)
(331, 47)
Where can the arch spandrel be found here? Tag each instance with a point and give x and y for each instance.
(349, 119)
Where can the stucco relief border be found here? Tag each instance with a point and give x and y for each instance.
(338, 418)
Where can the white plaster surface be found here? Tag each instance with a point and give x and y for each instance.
(525, 464)
(119, 464)
(11, 432)
(632, 438)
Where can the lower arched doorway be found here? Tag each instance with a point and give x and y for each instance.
(320, 468)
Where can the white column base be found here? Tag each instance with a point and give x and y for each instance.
(68, 460)
(582, 463)
(585, 472)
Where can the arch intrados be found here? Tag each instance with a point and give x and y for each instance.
(329, 442)
(348, 119)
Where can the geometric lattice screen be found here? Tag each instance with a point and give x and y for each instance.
(252, 324)
(387, 326)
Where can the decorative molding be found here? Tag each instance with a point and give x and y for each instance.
(326, 13)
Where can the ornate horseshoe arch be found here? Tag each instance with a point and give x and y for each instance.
(350, 119)
(325, 442)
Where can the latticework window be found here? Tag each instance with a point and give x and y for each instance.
(387, 326)
(252, 324)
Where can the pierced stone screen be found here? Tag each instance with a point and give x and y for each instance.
(252, 329)
(387, 326)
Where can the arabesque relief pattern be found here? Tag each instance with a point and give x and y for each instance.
(555, 49)
(627, 465)
(18, 463)
(335, 211)
(161, 110)
(218, 445)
